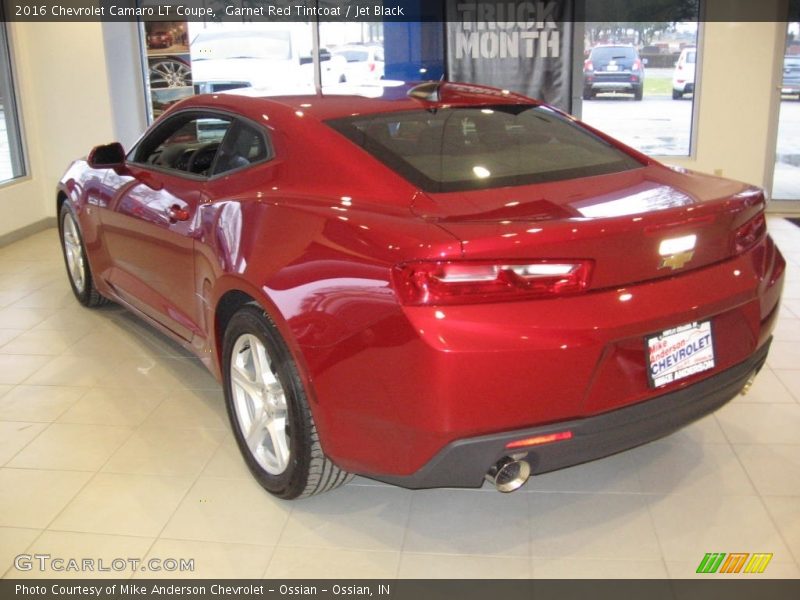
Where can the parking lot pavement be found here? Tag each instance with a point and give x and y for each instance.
(789, 129)
(661, 126)
(658, 125)
(786, 184)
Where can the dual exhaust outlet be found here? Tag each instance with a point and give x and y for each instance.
(509, 473)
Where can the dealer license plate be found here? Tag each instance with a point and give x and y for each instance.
(678, 353)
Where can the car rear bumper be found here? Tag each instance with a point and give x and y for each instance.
(420, 379)
(464, 463)
(614, 86)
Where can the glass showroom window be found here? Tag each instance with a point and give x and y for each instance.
(195, 57)
(351, 53)
(786, 182)
(12, 164)
(639, 81)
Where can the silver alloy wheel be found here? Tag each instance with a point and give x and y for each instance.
(76, 262)
(259, 402)
(169, 73)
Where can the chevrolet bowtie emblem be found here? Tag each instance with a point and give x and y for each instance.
(676, 261)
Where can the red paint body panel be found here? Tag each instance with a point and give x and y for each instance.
(312, 235)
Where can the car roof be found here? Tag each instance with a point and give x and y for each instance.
(373, 99)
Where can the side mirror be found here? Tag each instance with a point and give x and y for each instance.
(108, 156)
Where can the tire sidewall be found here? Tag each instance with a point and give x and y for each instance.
(292, 482)
(82, 296)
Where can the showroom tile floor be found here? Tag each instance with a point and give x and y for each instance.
(114, 444)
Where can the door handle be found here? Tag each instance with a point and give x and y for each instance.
(177, 213)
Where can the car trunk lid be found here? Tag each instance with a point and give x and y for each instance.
(619, 221)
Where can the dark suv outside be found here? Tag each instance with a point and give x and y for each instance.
(613, 69)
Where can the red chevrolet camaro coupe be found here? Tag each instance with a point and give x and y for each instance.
(440, 284)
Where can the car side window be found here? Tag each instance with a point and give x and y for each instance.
(186, 143)
(243, 146)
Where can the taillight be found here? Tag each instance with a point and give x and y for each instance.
(588, 66)
(752, 232)
(637, 65)
(372, 67)
(466, 282)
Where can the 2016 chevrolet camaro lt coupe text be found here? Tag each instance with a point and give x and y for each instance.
(430, 287)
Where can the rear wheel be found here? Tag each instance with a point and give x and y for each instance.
(638, 94)
(269, 412)
(676, 95)
(588, 95)
(78, 270)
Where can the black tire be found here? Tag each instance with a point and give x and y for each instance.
(309, 471)
(676, 95)
(588, 94)
(638, 94)
(85, 293)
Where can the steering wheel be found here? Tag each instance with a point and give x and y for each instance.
(202, 158)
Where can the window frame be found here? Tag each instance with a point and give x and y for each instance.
(201, 112)
(20, 168)
(576, 105)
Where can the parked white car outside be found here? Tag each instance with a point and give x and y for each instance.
(683, 77)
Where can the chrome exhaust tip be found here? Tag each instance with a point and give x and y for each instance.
(509, 474)
(748, 384)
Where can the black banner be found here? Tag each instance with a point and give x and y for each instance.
(529, 52)
(398, 11)
(412, 589)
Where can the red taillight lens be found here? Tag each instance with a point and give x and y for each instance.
(637, 65)
(467, 282)
(539, 440)
(588, 66)
(749, 234)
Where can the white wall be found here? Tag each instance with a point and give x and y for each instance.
(65, 106)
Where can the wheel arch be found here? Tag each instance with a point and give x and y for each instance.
(234, 294)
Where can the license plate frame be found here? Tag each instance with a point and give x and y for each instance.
(679, 353)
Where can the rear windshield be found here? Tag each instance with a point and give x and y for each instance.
(613, 53)
(691, 57)
(456, 149)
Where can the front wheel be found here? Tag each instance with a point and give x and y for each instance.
(269, 412)
(78, 270)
